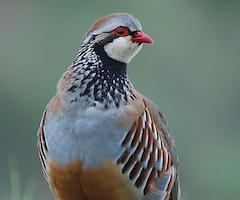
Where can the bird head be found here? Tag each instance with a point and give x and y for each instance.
(118, 35)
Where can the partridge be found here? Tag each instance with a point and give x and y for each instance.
(99, 138)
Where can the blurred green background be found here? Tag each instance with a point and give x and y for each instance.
(192, 73)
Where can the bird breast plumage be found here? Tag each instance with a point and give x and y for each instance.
(92, 136)
(97, 140)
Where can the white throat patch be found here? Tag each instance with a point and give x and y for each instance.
(122, 49)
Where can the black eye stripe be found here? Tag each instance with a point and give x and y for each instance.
(129, 31)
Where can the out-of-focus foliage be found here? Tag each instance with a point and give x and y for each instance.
(192, 73)
(17, 191)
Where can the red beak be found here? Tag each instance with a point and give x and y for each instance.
(141, 37)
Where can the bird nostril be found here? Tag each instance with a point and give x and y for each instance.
(138, 34)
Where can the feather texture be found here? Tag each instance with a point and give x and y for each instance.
(42, 145)
(146, 160)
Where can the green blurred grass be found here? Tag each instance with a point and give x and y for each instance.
(17, 190)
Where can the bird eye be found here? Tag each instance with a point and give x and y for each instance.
(121, 31)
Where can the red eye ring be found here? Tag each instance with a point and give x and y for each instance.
(121, 31)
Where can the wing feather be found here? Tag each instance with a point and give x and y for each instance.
(146, 159)
(42, 145)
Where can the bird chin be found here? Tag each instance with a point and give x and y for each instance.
(122, 49)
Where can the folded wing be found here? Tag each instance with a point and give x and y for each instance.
(146, 159)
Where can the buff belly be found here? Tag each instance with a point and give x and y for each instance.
(73, 182)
